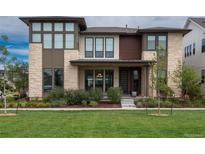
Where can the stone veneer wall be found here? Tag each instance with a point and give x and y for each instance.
(71, 77)
(35, 70)
(174, 56)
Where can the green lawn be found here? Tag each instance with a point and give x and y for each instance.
(102, 124)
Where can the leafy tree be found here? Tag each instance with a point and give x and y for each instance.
(187, 80)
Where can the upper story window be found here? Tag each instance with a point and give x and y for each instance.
(151, 42)
(203, 45)
(88, 47)
(36, 27)
(69, 41)
(58, 27)
(47, 41)
(69, 27)
(99, 47)
(58, 41)
(162, 42)
(47, 26)
(36, 38)
(109, 47)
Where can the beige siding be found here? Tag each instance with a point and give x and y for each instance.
(35, 70)
(174, 56)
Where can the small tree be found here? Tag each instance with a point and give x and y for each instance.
(187, 80)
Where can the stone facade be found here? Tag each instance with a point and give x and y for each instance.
(148, 55)
(35, 70)
(71, 77)
(174, 56)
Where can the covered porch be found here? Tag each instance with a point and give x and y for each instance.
(133, 76)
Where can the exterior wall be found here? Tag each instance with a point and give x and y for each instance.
(148, 55)
(70, 72)
(35, 70)
(195, 61)
(82, 45)
(82, 75)
(174, 56)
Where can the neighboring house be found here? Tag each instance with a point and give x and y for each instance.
(64, 52)
(194, 47)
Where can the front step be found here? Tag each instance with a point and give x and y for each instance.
(127, 103)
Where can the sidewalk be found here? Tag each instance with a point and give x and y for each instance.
(100, 109)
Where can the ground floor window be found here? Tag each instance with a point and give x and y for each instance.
(52, 77)
(203, 76)
(99, 78)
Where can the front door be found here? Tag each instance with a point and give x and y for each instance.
(129, 80)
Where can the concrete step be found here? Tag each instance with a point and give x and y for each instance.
(127, 103)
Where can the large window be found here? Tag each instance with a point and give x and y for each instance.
(99, 47)
(69, 27)
(58, 27)
(109, 47)
(36, 37)
(203, 45)
(162, 42)
(203, 76)
(88, 47)
(58, 75)
(108, 79)
(100, 79)
(151, 42)
(58, 38)
(89, 79)
(194, 48)
(36, 27)
(47, 26)
(47, 80)
(190, 49)
(47, 41)
(69, 43)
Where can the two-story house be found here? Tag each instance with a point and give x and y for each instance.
(64, 52)
(194, 47)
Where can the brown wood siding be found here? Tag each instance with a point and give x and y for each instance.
(53, 59)
(130, 47)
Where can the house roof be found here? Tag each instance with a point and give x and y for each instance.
(111, 61)
(199, 21)
(124, 30)
(80, 20)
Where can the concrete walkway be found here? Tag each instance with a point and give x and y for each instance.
(99, 109)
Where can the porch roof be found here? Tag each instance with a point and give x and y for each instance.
(112, 61)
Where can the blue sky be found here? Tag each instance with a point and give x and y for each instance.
(17, 31)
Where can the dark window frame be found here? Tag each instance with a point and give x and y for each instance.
(202, 76)
(54, 78)
(203, 46)
(103, 48)
(92, 47)
(194, 48)
(87, 71)
(113, 47)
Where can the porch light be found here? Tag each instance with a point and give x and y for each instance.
(99, 75)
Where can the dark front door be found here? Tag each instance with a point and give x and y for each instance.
(124, 80)
(129, 80)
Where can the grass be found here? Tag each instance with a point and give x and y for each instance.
(102, 124)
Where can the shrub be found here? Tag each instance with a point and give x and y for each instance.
(95, 95)
(93, 103)
(69, 96)
(1, 105)
(81, 95)
(12, 105)
(42, 105)
(56, 94)
(22, 104)
(114, 94)
(10, 99)
(84, 103)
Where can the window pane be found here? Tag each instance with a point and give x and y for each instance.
(36, 26)
(151, 42)
(69, 27)
(89, 79)
(36, 37)
(108, 79)
(194, 48)
(99, 48)
(47, 41)
(162, 42)
(47, 27)
(109, 48)
(69, 41)
(202, 76)
(203, 45)
(99, 79)
(58, 26)
(89, 47)
(58, 41)
(47, 80)
(58, 72)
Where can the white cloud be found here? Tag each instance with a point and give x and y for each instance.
(22, 52)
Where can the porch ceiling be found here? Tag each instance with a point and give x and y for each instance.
(117, 62)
